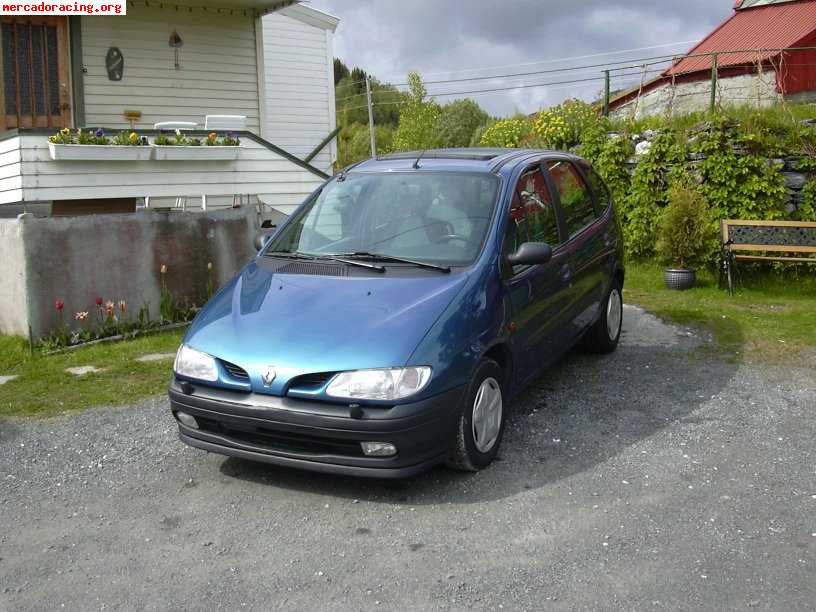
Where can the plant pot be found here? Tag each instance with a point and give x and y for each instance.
(679, 278)
(77, 152)
(199, 153)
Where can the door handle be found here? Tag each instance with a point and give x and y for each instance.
(566, 272)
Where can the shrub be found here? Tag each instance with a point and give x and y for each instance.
(686, 229)
(563, 126)
(648, 194)
(507, 133)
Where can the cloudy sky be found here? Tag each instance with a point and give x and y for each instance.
(456, 39)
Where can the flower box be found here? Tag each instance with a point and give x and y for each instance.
(76, 152)
(199, 153)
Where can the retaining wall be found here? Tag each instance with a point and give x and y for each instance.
(115, 257)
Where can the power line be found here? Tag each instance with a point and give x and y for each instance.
(567, 59)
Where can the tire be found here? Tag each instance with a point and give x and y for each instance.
(474, 448)
(604, 335)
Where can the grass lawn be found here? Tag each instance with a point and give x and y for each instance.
(770, 318)
(45, 388)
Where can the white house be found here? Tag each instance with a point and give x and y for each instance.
(269, 61)
(97, 221)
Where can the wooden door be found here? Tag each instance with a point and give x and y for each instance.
(35, 72)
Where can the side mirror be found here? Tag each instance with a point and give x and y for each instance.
(531, 254)
(260, 240)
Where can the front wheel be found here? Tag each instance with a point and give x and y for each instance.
(481, 420)
(604, 335)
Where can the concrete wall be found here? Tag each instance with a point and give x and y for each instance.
(13, 312)
(683, 98)
(118, 257)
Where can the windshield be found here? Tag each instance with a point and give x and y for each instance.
(439, 218)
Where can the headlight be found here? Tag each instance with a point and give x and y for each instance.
(391, 384)
(195, 364)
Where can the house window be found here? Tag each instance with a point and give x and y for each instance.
(35, 72)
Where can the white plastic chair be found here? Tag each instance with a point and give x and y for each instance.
(225, 122)
(175, 125)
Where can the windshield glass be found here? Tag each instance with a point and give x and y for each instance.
(439, 218)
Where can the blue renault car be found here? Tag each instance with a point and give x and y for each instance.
(384, 327)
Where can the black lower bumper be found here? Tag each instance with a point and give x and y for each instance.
(318, 436)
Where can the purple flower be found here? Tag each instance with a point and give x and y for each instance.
(99, 132)
(232, 135)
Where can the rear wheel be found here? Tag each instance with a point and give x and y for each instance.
(481, 420)
(604, 335)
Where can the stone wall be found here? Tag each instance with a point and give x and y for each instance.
(794, 180)
(119, 257)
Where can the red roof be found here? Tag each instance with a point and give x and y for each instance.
(773, 27)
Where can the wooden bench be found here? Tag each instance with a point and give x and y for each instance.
(789, 237)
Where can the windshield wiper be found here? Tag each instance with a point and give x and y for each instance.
(288, 255)
(351, 262)
(391, 258)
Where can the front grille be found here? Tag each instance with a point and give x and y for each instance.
(237, 372)
(265, 437)
(311, 381)
(313, 269)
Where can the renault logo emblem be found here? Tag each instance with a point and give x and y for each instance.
(268, 376)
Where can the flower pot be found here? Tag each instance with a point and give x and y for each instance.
(679, 278)
(77, 152)
(199, 153)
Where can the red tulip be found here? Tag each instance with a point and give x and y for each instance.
(59, 304)
(99, 301)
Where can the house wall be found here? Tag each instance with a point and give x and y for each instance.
(116, 257)
(13, 304)
(217, 75)
(299, 83)
(695, 96)
(11, 180)
(257, 170)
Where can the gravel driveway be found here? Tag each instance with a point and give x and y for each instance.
(662, 477)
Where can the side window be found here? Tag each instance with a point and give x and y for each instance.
(576, 200)
(532, 216)
(598, 186)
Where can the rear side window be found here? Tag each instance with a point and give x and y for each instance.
(576, 199)
(598, 186)
(532, 216)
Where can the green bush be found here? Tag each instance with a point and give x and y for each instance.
(686, 229)
(507, 133)
(563, 126)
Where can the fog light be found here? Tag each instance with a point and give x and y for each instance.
(187, 419)
(378, 449)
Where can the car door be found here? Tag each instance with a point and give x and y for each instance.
(538, 294)
(586, 246)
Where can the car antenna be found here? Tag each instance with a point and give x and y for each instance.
(416, 163)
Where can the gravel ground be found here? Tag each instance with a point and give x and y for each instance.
(662, 477)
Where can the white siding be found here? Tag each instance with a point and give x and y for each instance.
(258, 170)
(299, 86)
(217, 74)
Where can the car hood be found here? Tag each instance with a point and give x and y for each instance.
(302, 324)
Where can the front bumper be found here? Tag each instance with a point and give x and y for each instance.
(315, 435)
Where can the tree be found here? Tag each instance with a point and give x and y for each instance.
(418, 119)
(341, 71)
(458, 122)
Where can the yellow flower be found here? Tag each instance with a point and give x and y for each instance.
(211, 136)
(133, 137)
(65, 131)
